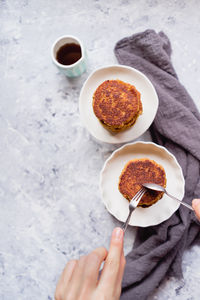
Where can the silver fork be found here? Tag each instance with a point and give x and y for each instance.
(132, 205)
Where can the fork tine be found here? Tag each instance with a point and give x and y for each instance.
(138, 194)
(133, 205)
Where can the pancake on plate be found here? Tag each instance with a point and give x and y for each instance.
(117, 105)
(139, 171)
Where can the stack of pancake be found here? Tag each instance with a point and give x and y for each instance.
(117, 105)
(139, 171)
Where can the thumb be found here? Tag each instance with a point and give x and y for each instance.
(196, 206)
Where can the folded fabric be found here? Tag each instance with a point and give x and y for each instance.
(158, 249)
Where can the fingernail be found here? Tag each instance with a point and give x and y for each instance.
(118, 233)
(195, 202)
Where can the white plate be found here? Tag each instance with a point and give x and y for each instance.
(117, 205)
(127, 74)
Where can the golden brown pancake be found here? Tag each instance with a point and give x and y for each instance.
(139, 171)
(117, 104)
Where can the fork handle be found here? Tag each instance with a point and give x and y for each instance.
(127, 220)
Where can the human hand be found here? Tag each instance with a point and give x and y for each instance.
(80, 279)
(196, 206)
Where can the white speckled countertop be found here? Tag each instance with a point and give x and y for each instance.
(50, 206)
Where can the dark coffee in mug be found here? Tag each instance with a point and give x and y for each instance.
(68, 54)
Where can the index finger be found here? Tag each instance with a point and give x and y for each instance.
(112, 263)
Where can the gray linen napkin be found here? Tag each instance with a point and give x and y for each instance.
(158, 249)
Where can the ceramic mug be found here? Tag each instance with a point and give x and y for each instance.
(74, 69)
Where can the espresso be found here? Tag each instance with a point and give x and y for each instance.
(68, 54)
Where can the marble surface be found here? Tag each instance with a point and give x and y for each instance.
(50, 206)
